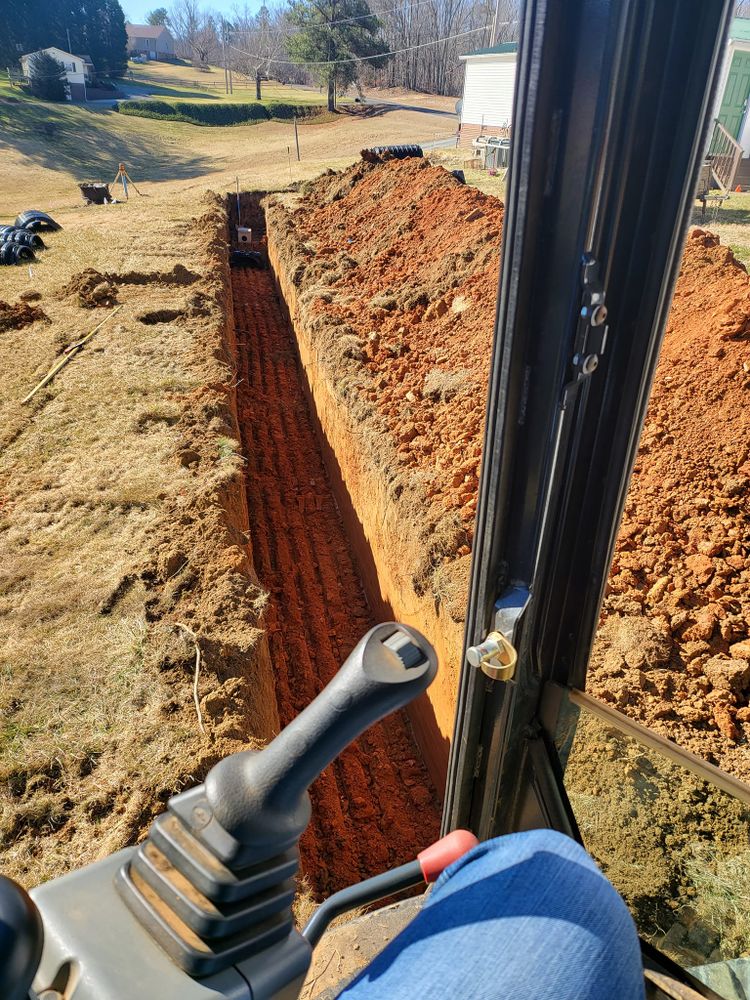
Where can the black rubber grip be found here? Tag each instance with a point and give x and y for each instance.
(260, 798)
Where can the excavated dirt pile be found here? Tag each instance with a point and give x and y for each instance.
(674, 646)
(14, 317)
(401, 260)
(390, 274)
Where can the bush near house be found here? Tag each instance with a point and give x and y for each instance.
(205, 113)
(47, 77)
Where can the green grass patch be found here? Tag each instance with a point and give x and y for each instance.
(742, 253)
(209, 113)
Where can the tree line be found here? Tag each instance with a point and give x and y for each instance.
(414, 44)
(339, 43)
(95, 28)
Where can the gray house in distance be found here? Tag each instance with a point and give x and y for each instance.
(152, 40)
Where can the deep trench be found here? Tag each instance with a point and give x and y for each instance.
(375, 807)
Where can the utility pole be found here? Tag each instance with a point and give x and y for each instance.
(224, 54)
(229, 56)
(493, 36)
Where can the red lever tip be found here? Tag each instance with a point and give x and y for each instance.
(434, 859)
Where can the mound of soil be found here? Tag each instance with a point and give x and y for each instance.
(15, 317)
(403, 259)
(395, 267)
(682, 563)
(90, 289)
(93, 289)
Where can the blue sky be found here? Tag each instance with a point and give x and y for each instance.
(136, 10)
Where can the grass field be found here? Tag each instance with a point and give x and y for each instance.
(166, 81)
(47, 148)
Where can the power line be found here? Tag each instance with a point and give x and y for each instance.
(379, 55)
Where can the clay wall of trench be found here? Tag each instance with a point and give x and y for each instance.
(380, 528)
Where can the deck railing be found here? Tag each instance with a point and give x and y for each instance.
(724, 155)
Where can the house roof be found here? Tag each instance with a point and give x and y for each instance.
(86, 60)
(28, 55)
(146, 30)
(501, 49)
(740, 29)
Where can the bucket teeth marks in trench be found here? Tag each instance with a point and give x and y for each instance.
(366, 816)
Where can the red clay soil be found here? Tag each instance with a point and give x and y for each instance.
(14, 317)
(402, 261)
(374, 808)
(674, 646)
(409, 259)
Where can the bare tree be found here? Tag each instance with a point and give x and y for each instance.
(257, 41)
(428, 37)
(194, 29)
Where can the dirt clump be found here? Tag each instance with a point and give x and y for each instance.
(93, 289)
(682, 560)
(177, 275)
(15, 317)
(90, 289)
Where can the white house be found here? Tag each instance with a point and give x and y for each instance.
(79, 70)
(489, 83)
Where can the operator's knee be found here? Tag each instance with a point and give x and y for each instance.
(503, 852)
(526, 915)
(527, 865)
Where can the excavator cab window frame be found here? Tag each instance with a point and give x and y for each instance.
(612, 109)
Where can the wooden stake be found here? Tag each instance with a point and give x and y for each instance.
(70, 353)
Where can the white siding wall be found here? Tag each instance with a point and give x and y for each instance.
(488, 90)
(74, 68)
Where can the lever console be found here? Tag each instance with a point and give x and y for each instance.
(202, 909)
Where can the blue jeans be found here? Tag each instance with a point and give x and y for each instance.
(524, 917)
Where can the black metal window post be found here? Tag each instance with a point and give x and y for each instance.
(611, 115)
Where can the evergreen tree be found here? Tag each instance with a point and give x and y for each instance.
(158, 16)
(332, 30)
(47, 77)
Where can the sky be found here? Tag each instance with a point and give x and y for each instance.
(136, 10)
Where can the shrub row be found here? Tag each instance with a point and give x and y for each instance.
(214, 113)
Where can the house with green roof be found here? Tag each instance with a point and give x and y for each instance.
(489, 83)
(733, 92)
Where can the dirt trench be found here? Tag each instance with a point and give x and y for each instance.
(375, 807)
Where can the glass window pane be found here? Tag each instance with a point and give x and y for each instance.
(676, 847)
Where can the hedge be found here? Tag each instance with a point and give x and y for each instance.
(215, 113)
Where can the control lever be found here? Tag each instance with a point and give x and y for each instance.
(212, 886)
(430, 863)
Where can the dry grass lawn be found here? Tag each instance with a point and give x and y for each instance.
(165, 80)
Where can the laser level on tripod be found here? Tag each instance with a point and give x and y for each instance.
(124, 178)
